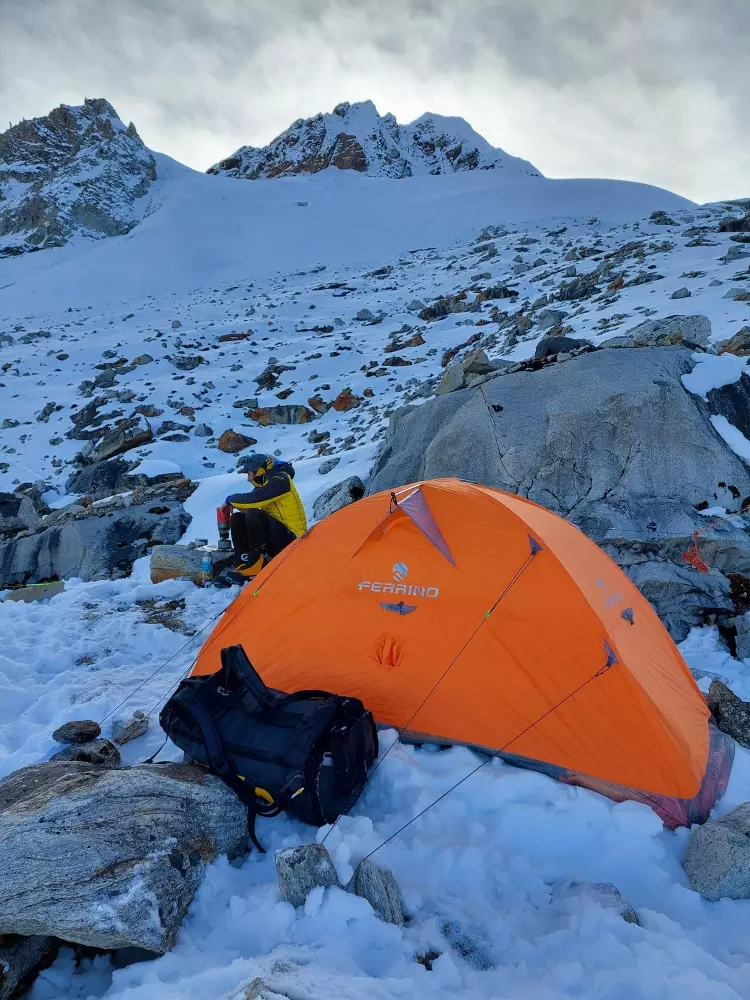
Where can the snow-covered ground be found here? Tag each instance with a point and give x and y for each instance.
(275, 260)
(484, 860)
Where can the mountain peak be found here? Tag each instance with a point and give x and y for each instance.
(77, 171)
(357, 137)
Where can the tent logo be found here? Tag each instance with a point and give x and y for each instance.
(400, 572)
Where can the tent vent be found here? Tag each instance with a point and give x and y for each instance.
(628, 616)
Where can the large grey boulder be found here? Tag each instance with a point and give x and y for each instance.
(110, 858)
(338, 496)
(97, 541)
(732, 714)
(131, 434)
(92, 544)
(302, 869)
(717, 857)
(21, 958)
(611, 440)
(104, 478)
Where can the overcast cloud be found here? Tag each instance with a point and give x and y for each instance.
(648, 90)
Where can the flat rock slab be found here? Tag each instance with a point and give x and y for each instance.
(178, 562)
(77, 731)
(110, 858)
(38, 592)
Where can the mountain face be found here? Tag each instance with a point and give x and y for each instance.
(79, 171)
(356, 137)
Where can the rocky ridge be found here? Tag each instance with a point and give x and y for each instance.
(78, 171)
(356, 137)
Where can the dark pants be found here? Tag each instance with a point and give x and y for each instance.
(254, 533)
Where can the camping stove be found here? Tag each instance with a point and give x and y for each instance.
(223, 514)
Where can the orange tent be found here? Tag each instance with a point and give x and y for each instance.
(477, 616)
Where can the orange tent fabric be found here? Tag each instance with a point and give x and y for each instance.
(474, 615)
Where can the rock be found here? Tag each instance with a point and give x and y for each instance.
(142, 359)
(290, 414)
(318, 404)
(714, 283)
(17, 513)
(364, 315)
(548, 346)
(459, 374)
(338, 496)
(176, 324)
(21, 959)
(317, 437)
(346, 400)
(732, 714)
(396, 362)
(39, 592)
(548, 318)
(688, 330)
(742, 623)
(178, 562)
(594, 440)
(680, 293)
(231, 442)
(103, 478)
(738, 344)
(328, 466)
(81, 731)
(738, 295)
(717, 858)
(301, 869)
(186, 362)
(378, 886)
(415, 305)
(75, 173)
(607, 895)
(124, 730)
(735, 225)
(132, 435)
(571, 272)
(110, 858)
(471, 943)
(579, 288)
(251, 403)
(99, 752)
(93, 543)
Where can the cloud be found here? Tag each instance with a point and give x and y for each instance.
(649, 90)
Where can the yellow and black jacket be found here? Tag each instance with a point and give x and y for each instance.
(278, 497)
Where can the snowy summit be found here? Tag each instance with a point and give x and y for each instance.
(357, 137)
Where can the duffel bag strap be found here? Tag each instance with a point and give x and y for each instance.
(218, 761)
(256, 696)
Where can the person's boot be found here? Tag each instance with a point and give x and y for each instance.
(246, 569)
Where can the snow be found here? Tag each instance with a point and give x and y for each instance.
(733, 437)
(486, 858)
(154, 467)
(712, 371)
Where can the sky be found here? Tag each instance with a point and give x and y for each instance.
(649, 90)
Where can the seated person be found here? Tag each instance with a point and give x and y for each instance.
(268, 518)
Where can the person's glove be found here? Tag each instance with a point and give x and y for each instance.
(228, 502)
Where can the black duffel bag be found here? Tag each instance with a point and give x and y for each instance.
(308, 753)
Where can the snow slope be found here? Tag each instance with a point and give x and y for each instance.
(356, 137)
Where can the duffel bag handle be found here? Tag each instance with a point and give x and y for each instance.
(235, 661)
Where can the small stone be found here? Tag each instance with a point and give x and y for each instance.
(176, 324)
(346, 400)
(714, 283)
(364, 315)
(681, 293)
(717, 858)
(415, 305)
(81, 731)
(732, 714)
(231, 442)
(571, 272)
(100, 752)
(301, 869)
(143, 359)
(328, 466)
(203, 431)
(124, 730)
(378, 886)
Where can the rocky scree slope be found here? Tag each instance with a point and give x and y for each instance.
(357, 137)
(78, 171)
